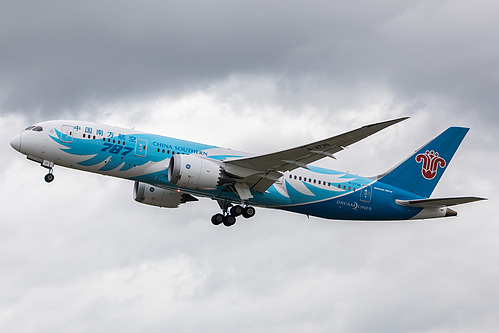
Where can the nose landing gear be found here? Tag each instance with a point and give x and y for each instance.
(49, 177)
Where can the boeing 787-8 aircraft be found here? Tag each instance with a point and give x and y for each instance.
(168, 172)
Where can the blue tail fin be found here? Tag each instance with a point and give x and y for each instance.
(421, 172)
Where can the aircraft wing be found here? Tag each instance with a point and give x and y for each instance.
(266, 169)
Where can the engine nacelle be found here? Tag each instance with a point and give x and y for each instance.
(155, 196)
(194, 172)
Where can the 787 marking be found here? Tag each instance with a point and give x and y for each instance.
(116, 149)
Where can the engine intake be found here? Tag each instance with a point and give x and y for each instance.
(194, 172)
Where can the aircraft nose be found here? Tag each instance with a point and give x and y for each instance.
(16, 142)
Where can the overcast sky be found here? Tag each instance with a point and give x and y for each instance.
(79, 255)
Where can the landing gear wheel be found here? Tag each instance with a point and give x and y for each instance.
(217, 219)
(229, 221)
(49, 177)
(248, 212)
(236, 210)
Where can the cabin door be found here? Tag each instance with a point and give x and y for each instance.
(366, 193)
(141, 147)
(67, 132)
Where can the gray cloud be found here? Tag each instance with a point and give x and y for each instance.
(61, 59)
(62, 54)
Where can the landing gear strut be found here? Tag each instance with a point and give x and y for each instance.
(229, 219)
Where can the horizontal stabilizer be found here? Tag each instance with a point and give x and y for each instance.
(437, 202)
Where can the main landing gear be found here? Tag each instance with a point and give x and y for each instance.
(229, 219)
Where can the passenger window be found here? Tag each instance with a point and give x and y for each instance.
(300, 177)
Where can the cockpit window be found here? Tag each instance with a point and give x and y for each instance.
(34, 128)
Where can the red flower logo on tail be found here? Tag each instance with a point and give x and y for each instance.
(431, 162)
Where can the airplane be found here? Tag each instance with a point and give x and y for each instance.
(168, 172)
